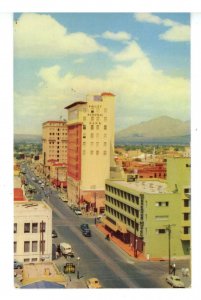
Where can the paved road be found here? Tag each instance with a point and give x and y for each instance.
(98, 257)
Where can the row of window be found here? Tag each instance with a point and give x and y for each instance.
(34, 227)
(122, 218)
(123, 194)
(97, 152)
(123, 206)
(32, 246)
(97, 144)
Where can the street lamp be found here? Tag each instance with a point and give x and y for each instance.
(168, 228)
(78, 262)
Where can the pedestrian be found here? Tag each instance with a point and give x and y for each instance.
(173, 268)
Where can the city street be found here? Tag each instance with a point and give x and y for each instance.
(98, 257)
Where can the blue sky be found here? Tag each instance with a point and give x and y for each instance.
(143, 58)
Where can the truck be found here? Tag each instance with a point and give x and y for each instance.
(66, 249)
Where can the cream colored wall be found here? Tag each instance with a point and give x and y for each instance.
(32, 215)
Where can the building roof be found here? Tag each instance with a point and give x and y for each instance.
(107, 94)
(145, 186)
(75, 103)
(43, 284)
(59, 121)
(28, 207)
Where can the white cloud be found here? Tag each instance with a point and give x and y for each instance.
(130, 53)
(39, 35)
(117, 36)
(142, 93)
(147, 17)
(179, 33)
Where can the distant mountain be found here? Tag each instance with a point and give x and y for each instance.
(162, 130)
(27, 138)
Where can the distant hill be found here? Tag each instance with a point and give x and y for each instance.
(162, 130)
(27, 138)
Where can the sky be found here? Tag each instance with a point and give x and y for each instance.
(59, 58)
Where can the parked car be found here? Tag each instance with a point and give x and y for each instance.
(93, 283)
(78, 212)
(18, 265)
(175, 281)
(54, 234)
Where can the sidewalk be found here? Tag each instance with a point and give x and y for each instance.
(125, 247)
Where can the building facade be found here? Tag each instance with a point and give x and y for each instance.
(90, 148)
(54, 147)
(32, 231)
(149, 214)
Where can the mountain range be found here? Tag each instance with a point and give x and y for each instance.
(162, 130)
(27, 138)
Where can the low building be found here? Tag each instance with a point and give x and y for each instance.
(32, 231)
(146, 213)
(39, 273)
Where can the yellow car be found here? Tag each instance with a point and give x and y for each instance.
(93, 283)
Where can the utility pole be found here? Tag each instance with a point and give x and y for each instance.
(168, 228)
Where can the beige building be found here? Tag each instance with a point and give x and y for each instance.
(90, 148)
(32, 231)
(54, 138)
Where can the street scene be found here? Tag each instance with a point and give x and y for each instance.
(102, 150)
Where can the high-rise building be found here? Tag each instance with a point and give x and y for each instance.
(54, 136)
(90, 149)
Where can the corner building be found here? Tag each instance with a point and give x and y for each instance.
(141, 212)
(90, 149)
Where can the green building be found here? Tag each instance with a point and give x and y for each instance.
(150, 214)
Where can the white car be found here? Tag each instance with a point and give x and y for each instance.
(175, 281)
(78, 212)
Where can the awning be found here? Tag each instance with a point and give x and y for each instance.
(121, 227)
(109, 224)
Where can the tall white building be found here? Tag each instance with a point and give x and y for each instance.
(90, 148)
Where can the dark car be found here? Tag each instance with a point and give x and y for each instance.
(86, 232)
(54, 234)
(18, 265)
(84, 226)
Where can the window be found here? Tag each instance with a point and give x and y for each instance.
(34, 246)
(186, 230)
(162, 203)
(105, 127)
(34, 227)
(26, 227)
(15, 227)
(34, 259)
(84, 126)
(97, 152)
(186, 203)
(15, 247)
(160, 231)
(42, 226)
(26, 246)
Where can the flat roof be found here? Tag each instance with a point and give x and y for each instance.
(24, 207)
(143, 186)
